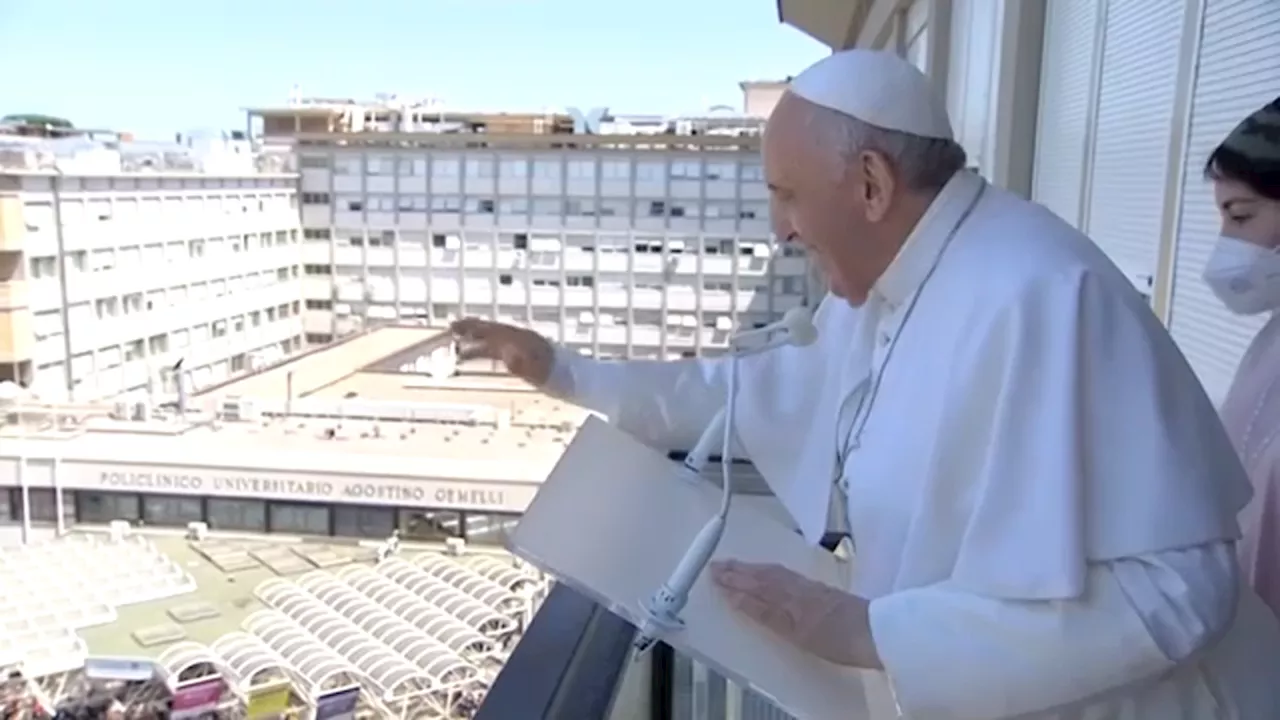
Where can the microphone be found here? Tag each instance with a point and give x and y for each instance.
(795, 328)
(661, 613)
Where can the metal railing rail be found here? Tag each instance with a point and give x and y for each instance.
(568, 665)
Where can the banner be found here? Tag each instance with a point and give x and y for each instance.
(129, 669)
(268, 701)
(191, 700)
(338, 704)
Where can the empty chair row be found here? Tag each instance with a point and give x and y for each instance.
(514, 580)
(320, 666)
(461, 637)
(253, 662)
(471, 582)
(476, 614)
(395, 676)
(43, 652)
(441, 663)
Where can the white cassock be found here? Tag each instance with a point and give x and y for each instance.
(1042, 499)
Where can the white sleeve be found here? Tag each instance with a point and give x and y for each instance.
(953, 655)
(666, 404)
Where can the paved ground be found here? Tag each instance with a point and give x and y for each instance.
(230, 593)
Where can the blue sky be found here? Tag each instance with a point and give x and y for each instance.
(155, 67)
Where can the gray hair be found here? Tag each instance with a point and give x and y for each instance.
(924, 164)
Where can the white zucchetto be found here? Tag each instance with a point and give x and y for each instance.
(878, 88)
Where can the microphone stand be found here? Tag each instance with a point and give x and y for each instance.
(661, 612)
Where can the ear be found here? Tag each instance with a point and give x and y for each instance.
(878, 184)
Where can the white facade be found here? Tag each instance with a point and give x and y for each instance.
(631, 249)
(1105, 111)
(120, 275)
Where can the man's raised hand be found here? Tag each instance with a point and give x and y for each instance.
(525, 353)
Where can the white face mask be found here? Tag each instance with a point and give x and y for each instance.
(1244, 276)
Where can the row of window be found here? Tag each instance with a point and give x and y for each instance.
(39, 215)
(260, 516)
(524, 206)
(48, 326)
(544, 167)
(544, 242)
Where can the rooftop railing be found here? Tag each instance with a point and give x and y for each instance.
(79, 155)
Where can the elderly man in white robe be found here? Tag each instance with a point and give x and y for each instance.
(1041, 497)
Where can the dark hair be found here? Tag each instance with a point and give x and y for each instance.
(1262, 176)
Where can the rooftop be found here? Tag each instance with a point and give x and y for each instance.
(358, 406)
(376, 367)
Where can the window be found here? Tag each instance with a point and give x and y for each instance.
(314, 161)
(580, 207)
(480, 167)
(445, 167)
(615, 169)
(752, 171)
(171, 510)
(514, 168)
(44, 506)
(316, 234)
(347, 166)
(720, 171)
(480, 206)
(429, 525)
(686, 169)
(318, 269)
(490, 528)
(445, 203)
(548, 206)
(513, 206)
(43, 267)
(101, 507)
(411, 203)
(250, 515)
(315, 198)
(299, 518)
(546, 169)
(582, 169)
(504, 279)
(613, 208)
(381, 165)
(356, 521)
(753, 211)
(651, 170)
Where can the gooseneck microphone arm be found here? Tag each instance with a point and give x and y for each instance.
(796, 328)
(661, 613)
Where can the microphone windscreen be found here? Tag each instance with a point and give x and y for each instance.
(800, 328)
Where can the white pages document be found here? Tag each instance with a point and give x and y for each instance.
(614, 518)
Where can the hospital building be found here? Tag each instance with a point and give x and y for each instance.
(231, 355)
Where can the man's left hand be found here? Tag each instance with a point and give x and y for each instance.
(813, 616)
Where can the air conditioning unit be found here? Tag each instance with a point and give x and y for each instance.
(119, 530)
(197, 531)
(455, 546)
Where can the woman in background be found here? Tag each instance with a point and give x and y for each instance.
(1244, 272)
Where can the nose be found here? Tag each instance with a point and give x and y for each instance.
(782, 229)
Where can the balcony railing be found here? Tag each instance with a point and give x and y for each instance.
(569, 665)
